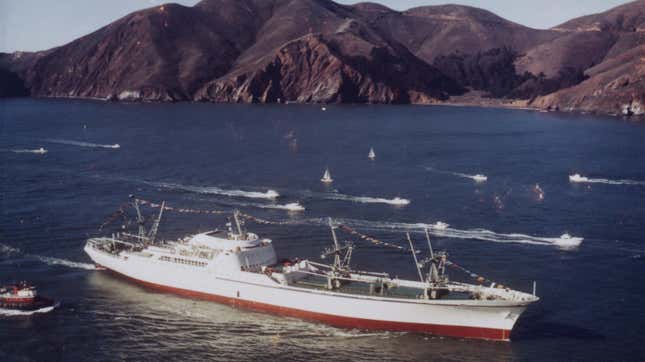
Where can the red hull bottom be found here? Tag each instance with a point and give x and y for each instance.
(337, 321)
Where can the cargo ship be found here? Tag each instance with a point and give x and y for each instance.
(240, 268)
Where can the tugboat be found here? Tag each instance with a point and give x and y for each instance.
(24, 297)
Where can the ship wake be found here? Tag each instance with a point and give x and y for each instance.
(39, 151)
(63, 262)
(15, 312)
(577, 178)
(212, 190)
(477, 177)
(83, 144)
(291, 206)
(397, 201)
(7, 250)
(441, 229)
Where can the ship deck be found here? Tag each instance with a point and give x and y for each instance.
(364, 288)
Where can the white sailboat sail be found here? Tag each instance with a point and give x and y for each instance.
(371, 155)
(326, 176)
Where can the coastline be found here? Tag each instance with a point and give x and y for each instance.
(467, 100)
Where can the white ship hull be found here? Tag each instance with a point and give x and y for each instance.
(489, 319)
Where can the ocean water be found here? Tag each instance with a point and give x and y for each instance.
(221, 157)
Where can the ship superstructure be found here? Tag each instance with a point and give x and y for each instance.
(237, 267)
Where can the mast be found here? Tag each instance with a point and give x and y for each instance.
(340, 266)
(433, 273)
(140, 219)
(429, 243)
(155, 225)
(341, 261)
(237, 223)
(414, 255)
(336, 247)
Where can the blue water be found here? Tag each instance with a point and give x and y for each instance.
(591, 305)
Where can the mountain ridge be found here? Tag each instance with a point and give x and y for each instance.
(321, 51)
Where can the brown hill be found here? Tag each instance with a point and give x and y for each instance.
(615, 86)
(230, 50)
(432, 31)
(608, 47)
(321, 51)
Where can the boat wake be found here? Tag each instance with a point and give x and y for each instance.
(477, 177)
(14, 312)
(321, 330)
(577, 178)
(442, 229)
(68, 263)
(40, 151)
(6, 250)
(83, 144)
(397, 201)
(269, 194)
(291, 207)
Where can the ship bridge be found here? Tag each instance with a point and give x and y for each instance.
(223, 240)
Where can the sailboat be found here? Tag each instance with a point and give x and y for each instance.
(327, 177)
(371, 155)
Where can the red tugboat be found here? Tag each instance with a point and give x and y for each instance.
(23, 297)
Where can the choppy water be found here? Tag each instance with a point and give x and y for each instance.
(260, 158)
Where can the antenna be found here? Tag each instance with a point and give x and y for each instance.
(414, 255)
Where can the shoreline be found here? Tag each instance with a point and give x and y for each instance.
(475, 102)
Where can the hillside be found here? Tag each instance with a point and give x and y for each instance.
(321, 51)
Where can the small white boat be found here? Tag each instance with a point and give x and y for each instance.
(577, 178)
(538, 192)
(439, 225)
(327, 177)
(567, 241)
(399, 201)
(371, 155)
(480, 178)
